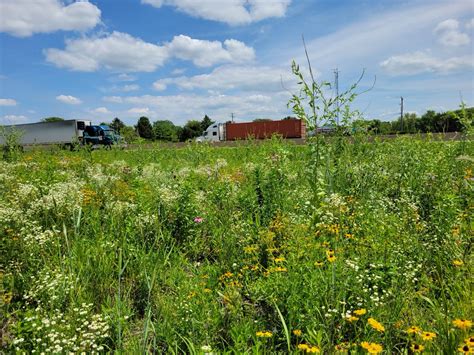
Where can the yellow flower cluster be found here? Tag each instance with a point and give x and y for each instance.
(264, 334)
(372, 348)
(308, 348)
(376, 325)
(462, 323)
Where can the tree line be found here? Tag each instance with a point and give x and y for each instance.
(429, 122)
(165, 130)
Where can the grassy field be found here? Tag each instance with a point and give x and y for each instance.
(358, 247)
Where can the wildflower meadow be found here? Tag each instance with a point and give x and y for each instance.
(245, 249)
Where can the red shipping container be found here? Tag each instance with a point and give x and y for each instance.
(260, 130)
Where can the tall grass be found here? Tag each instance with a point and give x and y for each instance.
(206, 249)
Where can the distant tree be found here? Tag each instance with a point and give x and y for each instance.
(206, 122)
(144, 128)
(290, 118)
(165, 131)
(52, 119)
(117, 124)
(262, 120)
(191, 129)
(129, 134)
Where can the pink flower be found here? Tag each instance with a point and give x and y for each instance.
(198, 219)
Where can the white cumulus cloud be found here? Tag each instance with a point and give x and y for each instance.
(68, 99)
(421, 62)
(207, 53)
(449, 34)
(102, 110)
(252, 78)
(233, 12)
(23, 18)
(7, 102)
(122, 52)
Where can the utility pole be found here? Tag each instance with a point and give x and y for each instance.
(401, 114)
(336, 85)
(232, 117)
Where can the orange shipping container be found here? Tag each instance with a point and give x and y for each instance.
(259, 130)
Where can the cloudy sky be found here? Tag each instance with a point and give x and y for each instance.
(182, 59)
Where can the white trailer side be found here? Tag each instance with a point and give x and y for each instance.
(61, 132)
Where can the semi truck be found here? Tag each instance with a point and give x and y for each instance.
(231, 131)
(67, 133)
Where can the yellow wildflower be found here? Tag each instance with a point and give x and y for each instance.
(417, 348)
(413, 329)
(7, 297)
(297, 332)
(458, 262)
(351, 319)
(462, 323)
(313, 349)
(318, 263)
(264, 334)
(360, 312)
(376, 325)
(465, 349)
(303, 347)
(280, 260)
(372, 348)
(470, 341)
(428, 335)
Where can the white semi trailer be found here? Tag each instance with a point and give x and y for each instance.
(44, 133)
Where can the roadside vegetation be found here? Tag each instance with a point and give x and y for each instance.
(206, 249)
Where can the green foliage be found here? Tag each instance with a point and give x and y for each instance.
(191, 130)
(117, 125)
(52, 119)
(144, 128)
(165, 131)
(10, 138)
(206, 122)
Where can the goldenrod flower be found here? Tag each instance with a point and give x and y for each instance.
(360, 312)
(458, 262)
(297, 332)
(416, 348)
(372, 348)
(413, 329)
(280, 260)
(376, 325)
(428, 335)
(462, 323)
(264, 334)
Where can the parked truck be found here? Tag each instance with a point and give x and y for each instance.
(67, 133)
(230, 131)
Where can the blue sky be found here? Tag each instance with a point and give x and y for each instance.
(182, 59)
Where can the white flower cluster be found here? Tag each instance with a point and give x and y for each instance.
(48, 287)
(61, 196)
(78, 331)
(33, 234)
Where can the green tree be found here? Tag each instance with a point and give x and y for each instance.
(52, 119)
(117, 124)
(206, 122)
(191, 130)
(129, 134)
(165, 131)
(144, 128)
